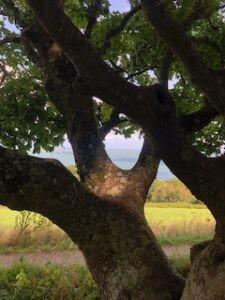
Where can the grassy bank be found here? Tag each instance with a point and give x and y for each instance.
(173, 223)
(26, 282)
(23, 282)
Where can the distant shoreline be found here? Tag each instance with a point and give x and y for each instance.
(123, 158)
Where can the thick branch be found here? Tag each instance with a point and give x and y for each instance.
(94, 73)
(46, 187)
(197, 120)
(40, 185)
(165, 68)
(197, 171)
(147, 155)
(152, 108)
(79, 114)
(93, 13)
(210, 82)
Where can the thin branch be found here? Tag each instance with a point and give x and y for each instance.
(132, 75)
(222, 6)
(5, 73)
(18, 16)
(93, 14)
(10, 39)
(113, 122)
(117, 68)
(120, 70)
(115, 31)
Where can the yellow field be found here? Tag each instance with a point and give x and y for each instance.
(166, 216)
(7, 217)
(172, 225)
(154, 215)
(180, 225)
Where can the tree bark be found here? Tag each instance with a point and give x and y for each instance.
(207, 276)
(120, 249)
(109, 239)
(125, 260)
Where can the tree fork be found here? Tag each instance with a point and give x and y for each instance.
(118, 245)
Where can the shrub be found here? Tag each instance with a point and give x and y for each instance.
(26, 282)
(171, 190)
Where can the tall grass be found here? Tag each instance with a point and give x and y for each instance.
(173, 224)
(47, 239)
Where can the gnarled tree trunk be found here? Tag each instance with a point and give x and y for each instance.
(119, 247)
(103, 213)
(207, 276)
(126, 261)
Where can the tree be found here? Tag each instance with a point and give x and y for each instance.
(59, 62)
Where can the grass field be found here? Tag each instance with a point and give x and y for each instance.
(173, 224)
(177, 225)
(7, 217)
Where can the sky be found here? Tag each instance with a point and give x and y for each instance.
(121, 5)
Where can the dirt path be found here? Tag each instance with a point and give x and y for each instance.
(70, 256)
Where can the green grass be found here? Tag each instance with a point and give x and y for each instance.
(181, 264)
(23, 281)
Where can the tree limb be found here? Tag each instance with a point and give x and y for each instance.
(148, 68)
(94, 73)
(19, 18)
(93, 13)
(30, 183)
(165, 68)
(10, 39)
(197, 120)
(152, 108)
(148, 162)
(209, 81)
